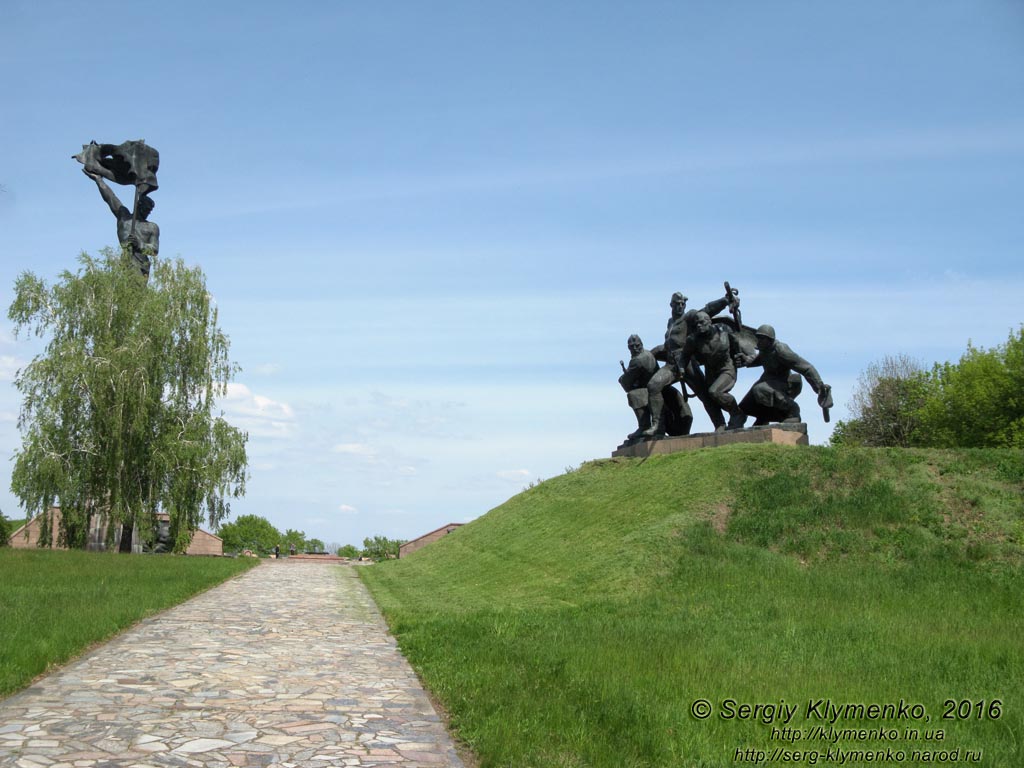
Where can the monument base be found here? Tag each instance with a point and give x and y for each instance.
(779, 434)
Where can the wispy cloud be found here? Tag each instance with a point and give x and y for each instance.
(413, 416)
(355, 449)
(9, 365)
(348, 509)
(374, 462)
(513, 474)
(258, 415)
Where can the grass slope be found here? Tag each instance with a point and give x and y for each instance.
(16, 523)
(55, 604)
(576, 624)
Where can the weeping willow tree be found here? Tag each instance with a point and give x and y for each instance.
(117, 415)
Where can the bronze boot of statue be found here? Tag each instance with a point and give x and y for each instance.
(657, 407)
(643, 421)
(737, 419)
(792, 412)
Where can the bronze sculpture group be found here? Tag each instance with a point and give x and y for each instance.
(702, 351)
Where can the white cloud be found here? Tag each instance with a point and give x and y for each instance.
(355, 449)
(382, 400)
(513, 474)
(257, 414)
(348, 509)
(9, 366)
(383, 413)
(376, 464)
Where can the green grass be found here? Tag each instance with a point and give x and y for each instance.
(577, 623)
(55, 604)
(16, 523)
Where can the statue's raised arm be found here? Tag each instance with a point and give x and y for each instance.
(133, 163)
(116, 206)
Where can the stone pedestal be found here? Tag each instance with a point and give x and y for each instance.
(780, 434)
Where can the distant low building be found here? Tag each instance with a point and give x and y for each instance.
(205, 543)
(411, 546)
(28, 535)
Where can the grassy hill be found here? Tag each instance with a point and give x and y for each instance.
(578, 623)
(13, 525)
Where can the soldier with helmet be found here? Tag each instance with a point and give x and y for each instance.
(773, 397)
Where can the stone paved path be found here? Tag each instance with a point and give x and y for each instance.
(288, 665)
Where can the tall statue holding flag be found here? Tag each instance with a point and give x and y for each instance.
(132, 163)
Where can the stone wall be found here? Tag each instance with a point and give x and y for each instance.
(411, 546)
(27, 536)
(204, 543)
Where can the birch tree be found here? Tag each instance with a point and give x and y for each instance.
(118, 413)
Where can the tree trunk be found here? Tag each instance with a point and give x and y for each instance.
(127, 527)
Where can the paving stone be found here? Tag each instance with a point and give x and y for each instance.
(287, 665)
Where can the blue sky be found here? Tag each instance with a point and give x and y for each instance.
(430, 227)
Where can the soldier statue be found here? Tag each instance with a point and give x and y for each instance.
(773, 396)
(676, 333)
(634, 380)
(714, 345)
